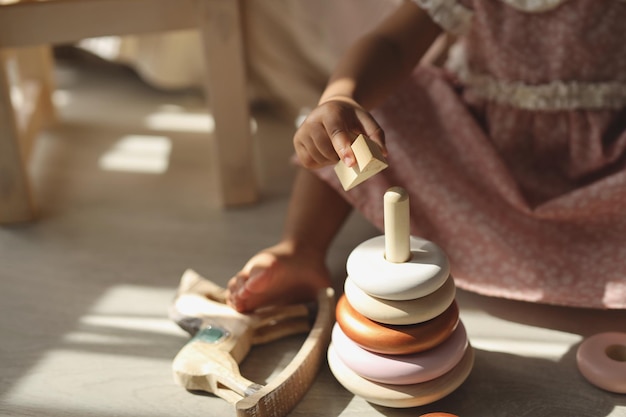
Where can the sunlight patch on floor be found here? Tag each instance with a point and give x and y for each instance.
(127, 322)
(172, 118)
(147, 154)
(525, 348)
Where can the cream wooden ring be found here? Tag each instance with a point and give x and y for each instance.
(403, 311)
(426, 270)
(602, 360)
(401, 396)
(403, 369)
(395, 339)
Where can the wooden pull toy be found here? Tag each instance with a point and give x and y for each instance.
(369, 162)
(398, 341)
(222, 337)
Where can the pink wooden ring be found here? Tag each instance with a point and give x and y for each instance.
(401, 369)
(401, 396)
(391, 339)
(602, 360)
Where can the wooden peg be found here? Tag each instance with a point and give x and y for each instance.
(369, 162)
(397, 228)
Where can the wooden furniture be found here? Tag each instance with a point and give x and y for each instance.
(28, 28)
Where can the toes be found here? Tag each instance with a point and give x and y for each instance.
(236, 292)
(234, 284)
(260, 280)
(247, 289)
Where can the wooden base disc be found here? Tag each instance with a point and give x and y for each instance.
(401, 396)
(401, 369)
(403, 311)
(392, 339)
(426, 270)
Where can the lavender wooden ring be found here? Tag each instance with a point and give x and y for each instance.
(426, 270)
(403, 369)
(403, 311)
(401, 396)
(391, 339)
(602, 360)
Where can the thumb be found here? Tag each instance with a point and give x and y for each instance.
(342, 141)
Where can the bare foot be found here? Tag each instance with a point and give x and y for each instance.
(278, 275)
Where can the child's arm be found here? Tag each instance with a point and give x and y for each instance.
(366, 74)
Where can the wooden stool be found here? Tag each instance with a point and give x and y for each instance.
(28, 28)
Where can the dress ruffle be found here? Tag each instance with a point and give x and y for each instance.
(451, 15)
(554, 95)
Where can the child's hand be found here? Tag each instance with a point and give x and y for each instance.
(326, 134)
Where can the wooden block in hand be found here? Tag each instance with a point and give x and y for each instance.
(369, 162)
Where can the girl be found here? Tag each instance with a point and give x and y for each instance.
(514, 154)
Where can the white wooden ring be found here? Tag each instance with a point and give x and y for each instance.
(426, 270)
(401, 311)
(401, 396)
(602, 360)
(401, 369)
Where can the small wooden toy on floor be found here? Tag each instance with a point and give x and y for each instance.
(222, 337)
(369, 162)
(601, 359)
(398, 340)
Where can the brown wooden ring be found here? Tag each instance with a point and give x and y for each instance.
(395, 339)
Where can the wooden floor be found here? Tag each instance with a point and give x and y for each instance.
(126, 207)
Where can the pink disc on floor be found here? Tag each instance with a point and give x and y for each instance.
(602, 360)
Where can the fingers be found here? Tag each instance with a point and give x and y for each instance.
(341, 138)
(375, 133)
(327, 133)
(313, 147)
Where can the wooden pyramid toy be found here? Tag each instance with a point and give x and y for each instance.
(369, 162)
(398, 340)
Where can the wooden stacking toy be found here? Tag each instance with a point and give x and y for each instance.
(222, 337)
(398, 340)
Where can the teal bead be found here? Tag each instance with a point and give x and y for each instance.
(210, 334)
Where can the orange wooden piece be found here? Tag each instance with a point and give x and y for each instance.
(395, 339)
(438, 415)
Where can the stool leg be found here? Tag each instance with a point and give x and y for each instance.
(36, 76)
(37, 64)
(15, 198)
(233, 154)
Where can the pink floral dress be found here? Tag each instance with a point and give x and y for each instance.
(514, 155)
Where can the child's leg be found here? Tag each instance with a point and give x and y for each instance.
(294, 269)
